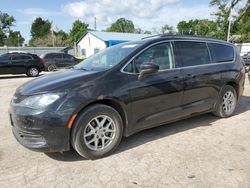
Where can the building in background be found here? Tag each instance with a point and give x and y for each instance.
(94, 41)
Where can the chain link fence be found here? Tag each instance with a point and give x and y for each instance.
(34, 50)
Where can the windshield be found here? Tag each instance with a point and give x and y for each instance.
(108, 57)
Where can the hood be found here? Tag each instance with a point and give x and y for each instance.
(71, 78)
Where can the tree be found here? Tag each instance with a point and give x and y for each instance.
(2, 38)
(167, 29)
(40, 28)
(202, 27)
(7, 36)
(60, 40)
(14, 39)
(147, 32)
(78, 30)
(223, 15)
(122, 25)
(6, 21)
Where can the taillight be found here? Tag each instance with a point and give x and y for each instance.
(42, 61)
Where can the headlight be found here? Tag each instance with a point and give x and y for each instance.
(39, 101)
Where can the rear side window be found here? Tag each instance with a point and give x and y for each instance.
(49, 56)
(58, 56)
(67, 56)
(191, 53)
(54, 56)
(21, 57)
(221, 53)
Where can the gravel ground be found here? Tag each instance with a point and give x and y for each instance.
(199, 152)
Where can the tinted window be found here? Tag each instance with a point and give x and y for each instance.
(67, 56)
(53, 56)
(49, 56)
(58, 56)
(191, 53)
(20, 57)
(5, 57)
(221, 52)
(159, 54)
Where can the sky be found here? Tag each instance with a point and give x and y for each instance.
(146, 14)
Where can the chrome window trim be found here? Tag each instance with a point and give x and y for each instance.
(179, 68)
(160, 42)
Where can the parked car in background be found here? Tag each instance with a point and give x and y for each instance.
(54, 61)
(246, 58)
(21, 63)
(125, 89)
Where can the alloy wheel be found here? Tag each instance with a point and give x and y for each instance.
(99, 133)
(229, 102)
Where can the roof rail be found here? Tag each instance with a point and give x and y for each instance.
(151, 36)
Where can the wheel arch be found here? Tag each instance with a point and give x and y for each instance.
(235, 85)
(109, 102)
(30, 66)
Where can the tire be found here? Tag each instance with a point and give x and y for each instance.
(86, 129)
(51, 68)
(223, 108)
(33, 72)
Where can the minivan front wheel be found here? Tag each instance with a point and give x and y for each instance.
(97, 131)
(227, 102)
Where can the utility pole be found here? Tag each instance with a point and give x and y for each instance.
(229, 25)
(18, 36)
(95, 24)
(52, 34)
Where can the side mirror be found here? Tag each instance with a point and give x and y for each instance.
(148, 68)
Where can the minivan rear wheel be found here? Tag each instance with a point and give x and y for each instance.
(97, 131)
(227, 102)
(33, 72)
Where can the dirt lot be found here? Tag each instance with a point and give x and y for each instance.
(200, 152)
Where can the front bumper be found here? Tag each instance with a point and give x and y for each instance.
(40, 131)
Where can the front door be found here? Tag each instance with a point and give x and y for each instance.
(157, 98)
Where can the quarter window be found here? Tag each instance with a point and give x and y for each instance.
(221, 53)
(191, 53)
(160, 54)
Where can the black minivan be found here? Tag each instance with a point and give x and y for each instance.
(125, 89)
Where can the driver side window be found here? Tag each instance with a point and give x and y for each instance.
(160, 54)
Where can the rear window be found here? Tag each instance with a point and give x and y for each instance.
(191, 53)
(221, 53)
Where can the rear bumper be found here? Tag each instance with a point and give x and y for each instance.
(45, 132)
